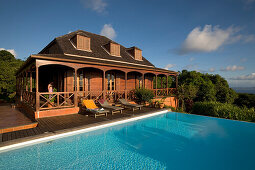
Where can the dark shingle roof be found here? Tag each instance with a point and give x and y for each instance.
(98, 52)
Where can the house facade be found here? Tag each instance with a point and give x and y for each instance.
(85, 65)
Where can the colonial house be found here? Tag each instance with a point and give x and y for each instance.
(85, 65)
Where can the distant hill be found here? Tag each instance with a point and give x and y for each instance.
(250, 90)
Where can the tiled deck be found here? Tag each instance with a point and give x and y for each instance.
(53, 124)
(12, 120)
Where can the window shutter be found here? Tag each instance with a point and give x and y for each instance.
(83, 43)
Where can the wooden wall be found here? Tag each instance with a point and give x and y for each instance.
(63, 79)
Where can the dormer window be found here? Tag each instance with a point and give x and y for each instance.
(81, 42)
(136, 53)
(113, 49)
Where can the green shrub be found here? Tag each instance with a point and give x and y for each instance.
(224, 110)
(143, 95)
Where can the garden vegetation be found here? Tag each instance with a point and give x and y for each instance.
(8, 66)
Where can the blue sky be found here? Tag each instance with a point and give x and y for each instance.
(213, 36)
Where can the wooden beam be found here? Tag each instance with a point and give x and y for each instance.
(31, 81)
(26, 81)
(104, 85)
(126, 85)
(156, 95)
(143, 79)
(37, 104)
(167, 85)
(75, 88)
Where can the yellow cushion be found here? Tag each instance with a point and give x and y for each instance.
(89, 104)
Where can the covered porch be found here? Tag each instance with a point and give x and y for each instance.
(75, 81)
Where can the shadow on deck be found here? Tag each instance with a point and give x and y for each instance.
(12, 119)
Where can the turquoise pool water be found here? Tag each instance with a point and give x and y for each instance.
(168, 141)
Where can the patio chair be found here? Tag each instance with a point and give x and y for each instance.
(129, 105)
(103, 103)
(92, 108)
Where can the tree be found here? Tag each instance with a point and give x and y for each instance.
(190, 94)
(6, 56)
(8, 66)
(181, 95)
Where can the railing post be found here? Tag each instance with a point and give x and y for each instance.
(125, 85)
(75, 88)
(58, 99)
(37, 104)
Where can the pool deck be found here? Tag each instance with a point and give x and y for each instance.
(12, 119)
(59, 124)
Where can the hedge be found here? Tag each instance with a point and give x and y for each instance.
(224, 110)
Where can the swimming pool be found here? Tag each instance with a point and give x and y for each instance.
(167, 141)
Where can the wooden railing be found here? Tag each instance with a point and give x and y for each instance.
(164, 92)
(115, 95)
(94, 95)
(28, 98)
(56, 100)
(67, 99)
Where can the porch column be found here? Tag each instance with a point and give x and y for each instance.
(26, 81)
(31, 82)
(75, 89)
(156, 94)
(22, 86)
(126, 85)
(167, 85)
(104, 84)
(37, 105)
(143, 83)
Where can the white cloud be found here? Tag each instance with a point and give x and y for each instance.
(10, 50)
(249, 38)
(168, 66)
(244, 77)
(108, 31)
(208, 39)
(212, 69)
(233, 68)
(96, 5)
(191, 59)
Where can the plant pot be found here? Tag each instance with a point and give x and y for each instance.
(50, 105)
(161, 105)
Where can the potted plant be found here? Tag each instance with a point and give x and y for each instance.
(160, 103)
(52, 99)
(143, 95)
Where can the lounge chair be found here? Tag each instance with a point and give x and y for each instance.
(103, 103)
(92, 108)
(129, 105)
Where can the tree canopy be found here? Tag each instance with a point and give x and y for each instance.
(8, 66)
(210, 87)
